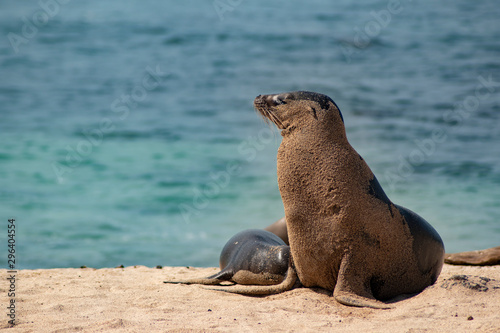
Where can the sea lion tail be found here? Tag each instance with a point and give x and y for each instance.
(285, 285)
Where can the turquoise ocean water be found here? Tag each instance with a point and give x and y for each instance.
(128, 135)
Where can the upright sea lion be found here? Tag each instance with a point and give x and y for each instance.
(345, 234)
(253, 257)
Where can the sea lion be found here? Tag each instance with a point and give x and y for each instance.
(486, 257)
(279, 229)
(345, 234)
(253, 257)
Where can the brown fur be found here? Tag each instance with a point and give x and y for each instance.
(344, 233)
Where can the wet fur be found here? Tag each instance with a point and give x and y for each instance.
(256, 258)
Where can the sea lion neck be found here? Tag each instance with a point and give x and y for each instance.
(324, 133)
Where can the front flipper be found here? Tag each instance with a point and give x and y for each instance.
(352, 290)
(351, 299)
(285, 285)
(213, 280)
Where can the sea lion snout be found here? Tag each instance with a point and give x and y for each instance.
(266, 106)
(270, 100)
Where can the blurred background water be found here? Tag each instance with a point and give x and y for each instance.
(128, 134)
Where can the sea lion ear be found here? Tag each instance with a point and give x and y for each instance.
(312, 111)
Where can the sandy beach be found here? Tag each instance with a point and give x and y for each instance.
(133, 299)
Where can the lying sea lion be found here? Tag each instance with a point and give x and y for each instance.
(253, 257)
(345, 234)
(279, 229)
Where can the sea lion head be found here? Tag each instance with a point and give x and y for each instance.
(298, 110)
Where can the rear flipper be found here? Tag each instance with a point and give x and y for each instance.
(480, 257)
(213, 280)
(351, 290)
(285, 285)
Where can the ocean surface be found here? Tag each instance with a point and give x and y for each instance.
(128, 135)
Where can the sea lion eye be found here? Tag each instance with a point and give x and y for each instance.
(278, 100)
